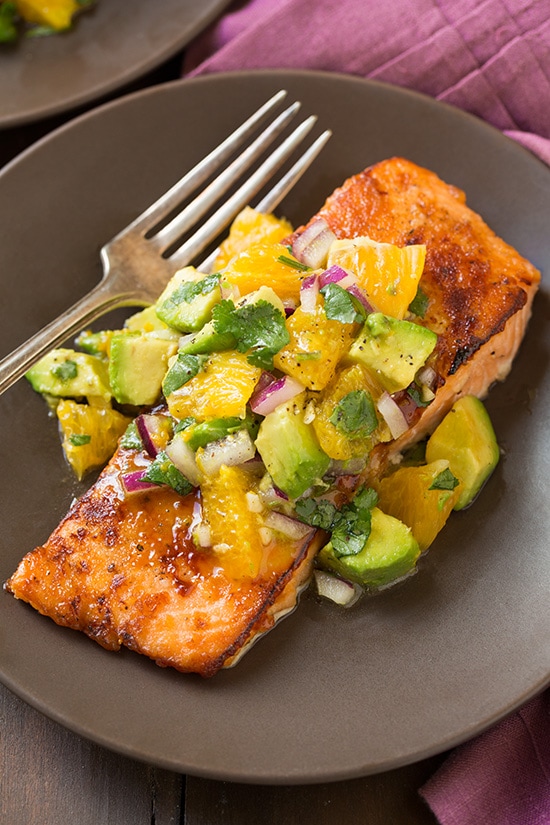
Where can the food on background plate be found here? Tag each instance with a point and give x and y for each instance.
(36, 18)
(311, 407)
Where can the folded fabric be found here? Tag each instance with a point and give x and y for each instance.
(489, 57)
(500, 778)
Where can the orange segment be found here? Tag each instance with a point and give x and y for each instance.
(259, 265)
(55, 13)
(220, 390)
(90, 434)
(406, 495)
(335, 443)
(316, 345)
(234, 530)
(251, 227)
(389, 274)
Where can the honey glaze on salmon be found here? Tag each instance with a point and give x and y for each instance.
(125, 571)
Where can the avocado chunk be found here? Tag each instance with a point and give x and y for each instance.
(65, 373)
(206, 340)
(200, 433)
(147, 320)
(466, 438)
(389, 553)
(187, 301)
(138, 363)
(392, 350)
(290, 450)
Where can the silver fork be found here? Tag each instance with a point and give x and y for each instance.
(139, 261)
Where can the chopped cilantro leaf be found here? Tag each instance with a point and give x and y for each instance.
(285, 259)
(65, 371)
(341, 306)
(184, 368)
(419, 303)
(78, 440)
(189, 290)
(349, 527)
(354, 415)
(415, 393)
(8, 19)
(184, 423)
(444, 481)
(258, 329)
(164, 471)
(131, 440)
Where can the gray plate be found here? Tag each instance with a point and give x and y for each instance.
(109, 47)
(329, 694)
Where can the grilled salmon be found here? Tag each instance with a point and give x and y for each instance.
(479, 289)
(125, 569)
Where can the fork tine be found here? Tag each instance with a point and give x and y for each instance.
(189, 216)
(232, 206)
(276, 194)
(203, 170)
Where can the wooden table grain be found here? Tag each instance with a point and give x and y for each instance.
(49, 775)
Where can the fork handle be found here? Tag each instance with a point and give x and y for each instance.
(97, 302)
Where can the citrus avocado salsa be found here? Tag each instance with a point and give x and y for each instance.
(269, 384)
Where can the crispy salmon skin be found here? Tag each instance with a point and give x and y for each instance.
(124, 569)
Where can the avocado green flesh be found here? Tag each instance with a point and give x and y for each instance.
(392, 350)
(391, 552)
(467, 439)
(138, 363)
(290, 450)
(180, 313)
(65, 373)
(207, 340)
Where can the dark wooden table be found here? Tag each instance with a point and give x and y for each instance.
(48, 775)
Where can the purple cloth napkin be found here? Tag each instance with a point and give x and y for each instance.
(491, 58)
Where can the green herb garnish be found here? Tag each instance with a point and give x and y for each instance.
(184, 368)
(65, 371)
(444, 481)
(355, 415)
(349, 527)
(164, 471)
(284, 259)
(8, 22)
(79, 440)
(189, 290)
(419, 303)
(258, 329)
(131, 440)
(341, 306)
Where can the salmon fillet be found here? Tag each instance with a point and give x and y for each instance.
(125, 571)
(480, 289)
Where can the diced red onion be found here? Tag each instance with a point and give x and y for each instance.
(279, 391)
(309, 291)
(338, 590)
(134, 482)
(336, 275)
(290, 527)
(312, 245)
(150, 429)
(181, 454)
(358, 293)
(234, 449)
(392, 415)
